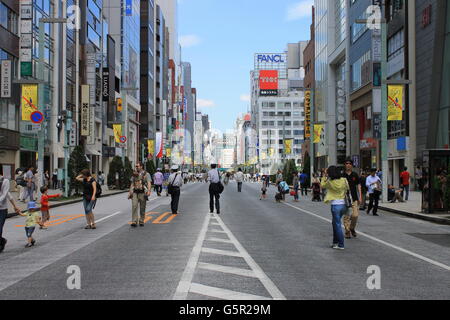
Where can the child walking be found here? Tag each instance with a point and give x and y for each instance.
(45, 208)
(33, 218)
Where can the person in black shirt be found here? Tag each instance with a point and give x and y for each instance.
(355, 193)
(89, 196)
(362, 180)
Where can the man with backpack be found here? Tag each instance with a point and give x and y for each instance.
(140, 190)
(4, 197)
(175, 182)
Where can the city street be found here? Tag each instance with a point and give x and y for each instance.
(254, 250)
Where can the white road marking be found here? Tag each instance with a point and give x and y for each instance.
(216, 230)
(223, 293)
(268, 284)
(186, 279)
(416, 255)
(107, 217)
(222, 252)
(218, 240)
(226, 269)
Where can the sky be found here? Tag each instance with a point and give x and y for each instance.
(220, 37)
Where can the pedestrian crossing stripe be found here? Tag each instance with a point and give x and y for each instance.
(159, 220)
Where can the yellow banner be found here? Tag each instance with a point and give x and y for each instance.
(151, 147)
(395, 103)
(307, 114)
(117, 128)
(168, 152)
(288, 146)
(271, 152)
(29, 98)
(318, 129)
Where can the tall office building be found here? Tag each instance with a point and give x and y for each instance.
(126, 36)
(11, 139)
(277, 106)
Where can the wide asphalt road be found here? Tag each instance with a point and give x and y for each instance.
(255, 249)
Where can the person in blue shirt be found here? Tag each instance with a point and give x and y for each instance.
(304, 182)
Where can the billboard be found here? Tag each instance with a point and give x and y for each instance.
(268, 82)
(308, 115)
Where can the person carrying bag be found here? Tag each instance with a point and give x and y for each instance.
(175, 182)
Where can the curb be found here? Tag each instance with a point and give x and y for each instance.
(55, 205)
(417, 216)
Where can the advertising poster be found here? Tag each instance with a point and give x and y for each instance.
(151, 148)
(29, 99)
(318, 129)
(395, 103)
(117, 128)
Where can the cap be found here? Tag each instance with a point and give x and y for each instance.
(159, 169)
(31, 205)
(348, 160)
(174, 167)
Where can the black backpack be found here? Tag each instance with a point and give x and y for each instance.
(98, 192)
(21, 181)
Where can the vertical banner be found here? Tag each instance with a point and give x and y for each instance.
(395, 102)
(6, 79)
(129, 7)
(85, 112)
(159, 145)
(307, 115)
(318, 129)
(117, 128)
(168, 152)
(151, 148)
(29, 100)
(288, 146)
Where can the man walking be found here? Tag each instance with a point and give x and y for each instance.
(140, 181)
(239, 176)
(175, 182)
(354, 183)
(214, 194)
(158, 179)
(373, 183)
(4, 197)
(31, 184)
(304, 182)
(405, 180)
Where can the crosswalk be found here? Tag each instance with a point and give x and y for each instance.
(218, 259)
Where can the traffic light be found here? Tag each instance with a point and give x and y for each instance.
(61, 119)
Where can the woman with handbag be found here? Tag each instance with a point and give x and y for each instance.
(373, 184)
(175, 182)
(337, 190)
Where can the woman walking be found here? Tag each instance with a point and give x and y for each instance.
(337, 188)
(263, 188)
(89, 196)
(295, 183)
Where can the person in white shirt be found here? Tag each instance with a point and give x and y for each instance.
(373, 184)
(175, 182)
(214, 195)
(239, 176)
(5, 195)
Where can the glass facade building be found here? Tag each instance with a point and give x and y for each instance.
(443, 134)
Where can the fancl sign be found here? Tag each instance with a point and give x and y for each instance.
(270, 58)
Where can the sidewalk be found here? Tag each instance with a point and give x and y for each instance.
(55, 202)
(413, 207)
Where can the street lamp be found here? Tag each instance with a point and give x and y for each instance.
(40, 71)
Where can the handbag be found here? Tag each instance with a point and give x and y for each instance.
(292, 193)
(170, 187)
(348, 199)
(220, 186)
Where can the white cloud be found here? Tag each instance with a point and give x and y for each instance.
(245, 97)
(299, 10)
(189, 40)
(204, 103)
